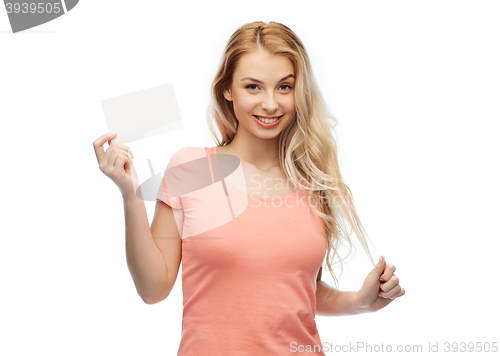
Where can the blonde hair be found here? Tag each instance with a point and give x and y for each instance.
(307, 149)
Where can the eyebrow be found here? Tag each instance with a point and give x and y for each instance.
(258, 81)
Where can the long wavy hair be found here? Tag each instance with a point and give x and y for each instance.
(307, 149)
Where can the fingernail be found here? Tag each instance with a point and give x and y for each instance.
(380, 260)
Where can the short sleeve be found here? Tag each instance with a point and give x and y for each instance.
(170, 187)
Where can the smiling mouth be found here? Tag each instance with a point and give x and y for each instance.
(267, 121)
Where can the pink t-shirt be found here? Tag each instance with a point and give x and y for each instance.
(249, 264)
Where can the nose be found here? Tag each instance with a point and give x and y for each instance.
(269, 103)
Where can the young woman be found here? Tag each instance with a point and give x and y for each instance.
(251, 248)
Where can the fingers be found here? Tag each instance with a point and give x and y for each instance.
(389, 286)
(98, 144)
(393, 293)
(116, 149)
(388, 272)
(123, 147)
(390, 293)
(114, 157)
(401, 292)
(109, 158)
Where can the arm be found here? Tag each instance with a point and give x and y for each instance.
(380, 288)
(332, 302)
(153, 254)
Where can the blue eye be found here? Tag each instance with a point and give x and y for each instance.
(254, 85)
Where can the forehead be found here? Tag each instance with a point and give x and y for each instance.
(263, 65)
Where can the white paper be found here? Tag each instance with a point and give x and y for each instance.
(143, 113)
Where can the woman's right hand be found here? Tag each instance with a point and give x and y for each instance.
(117, 163)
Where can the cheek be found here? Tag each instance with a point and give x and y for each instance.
(244, 103)
(290, 105)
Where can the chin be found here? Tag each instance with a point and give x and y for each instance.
(268, 135)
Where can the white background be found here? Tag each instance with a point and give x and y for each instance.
(414, 86)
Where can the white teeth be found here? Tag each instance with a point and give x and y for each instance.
(267, 121)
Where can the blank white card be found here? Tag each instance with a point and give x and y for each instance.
(143, 113)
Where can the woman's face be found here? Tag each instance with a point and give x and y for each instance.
(263, 85)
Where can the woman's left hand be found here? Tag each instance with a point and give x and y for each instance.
(380, 288)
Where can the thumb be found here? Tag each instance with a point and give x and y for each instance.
(380, 266)
(372, 280)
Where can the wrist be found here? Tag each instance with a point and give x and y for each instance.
(358, 304)
(130, 196)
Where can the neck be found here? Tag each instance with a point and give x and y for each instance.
(262, 153)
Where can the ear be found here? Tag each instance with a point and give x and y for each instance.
(227, 94)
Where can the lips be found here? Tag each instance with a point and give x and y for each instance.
(270, 118)
(274, 123)
(267, 117)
